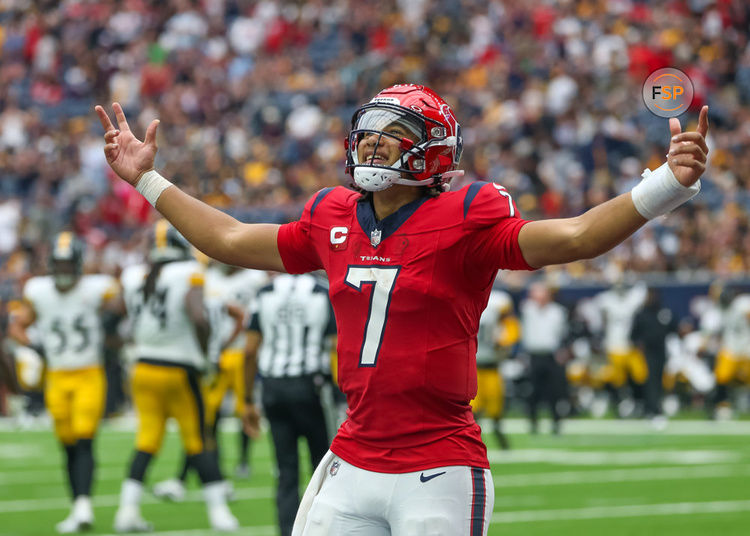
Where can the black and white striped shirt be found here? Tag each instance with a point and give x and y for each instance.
(295, 318)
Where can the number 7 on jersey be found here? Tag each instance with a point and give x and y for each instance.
(383, 280)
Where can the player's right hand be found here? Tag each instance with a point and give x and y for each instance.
(127, 155)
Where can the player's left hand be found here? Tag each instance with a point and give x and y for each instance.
(251, 420)
(129, 157)
(688, 150)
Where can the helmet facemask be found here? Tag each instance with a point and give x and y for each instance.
(65, 273)
(66, 261)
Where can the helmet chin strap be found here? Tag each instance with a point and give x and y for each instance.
(374, 179)
(447, 176)
(378, 179)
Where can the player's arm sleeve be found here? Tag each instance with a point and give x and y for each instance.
(493, 222)
(295, 242)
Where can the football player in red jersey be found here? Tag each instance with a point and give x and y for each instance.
(410, 266)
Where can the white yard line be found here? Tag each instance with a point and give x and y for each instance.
(501, 480)
(570, 427)
(266, 530)
(562, 478)
(667, 456)
(108, 473)
(63, 503)
(629, 510)
(629, 427)
(559, 478)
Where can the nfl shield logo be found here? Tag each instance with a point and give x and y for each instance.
(334, 468)
(375, 237)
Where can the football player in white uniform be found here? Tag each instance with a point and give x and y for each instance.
(171, 333)
(499, 330)
(618, 307)
(65, 309)
(686, 363)
(227, 319)
(733, 360)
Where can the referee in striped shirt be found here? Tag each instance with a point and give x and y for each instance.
(289, 344)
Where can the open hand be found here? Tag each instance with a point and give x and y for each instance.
(688, 150)
(127, 155)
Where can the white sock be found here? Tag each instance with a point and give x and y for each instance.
(83, 500)
(131, 492)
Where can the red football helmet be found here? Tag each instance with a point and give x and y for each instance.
(431, 160)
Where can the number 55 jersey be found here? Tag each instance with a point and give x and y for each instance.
(407, 292)
(69, 323)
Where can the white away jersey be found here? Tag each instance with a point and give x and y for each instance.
(162, 329)
(69, 323)
(499, 302)
(618, 311)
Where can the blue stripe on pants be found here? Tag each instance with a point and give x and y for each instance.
(478, 501)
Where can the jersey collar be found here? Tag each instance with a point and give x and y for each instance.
(380, 230)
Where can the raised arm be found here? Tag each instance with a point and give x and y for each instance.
(214, 233)
(601, 228)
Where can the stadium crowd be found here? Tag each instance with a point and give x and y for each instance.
(256, 98)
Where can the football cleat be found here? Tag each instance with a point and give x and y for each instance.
(222, 519)
(84, 512)
(72, 525)
(128, 519)
(170, 490)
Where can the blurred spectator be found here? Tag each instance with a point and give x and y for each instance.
(256, 98)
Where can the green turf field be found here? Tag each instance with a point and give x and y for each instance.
(612, 478)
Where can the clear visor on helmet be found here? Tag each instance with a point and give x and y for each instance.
(386, 121)
(381, 119)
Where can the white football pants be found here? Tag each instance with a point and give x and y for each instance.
(344, 500)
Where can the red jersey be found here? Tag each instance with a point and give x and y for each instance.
(407, 293)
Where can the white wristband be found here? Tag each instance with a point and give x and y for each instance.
(660, 192)
(151, 185)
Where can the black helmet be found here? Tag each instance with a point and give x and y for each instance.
(167, 244)
(66, 259)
